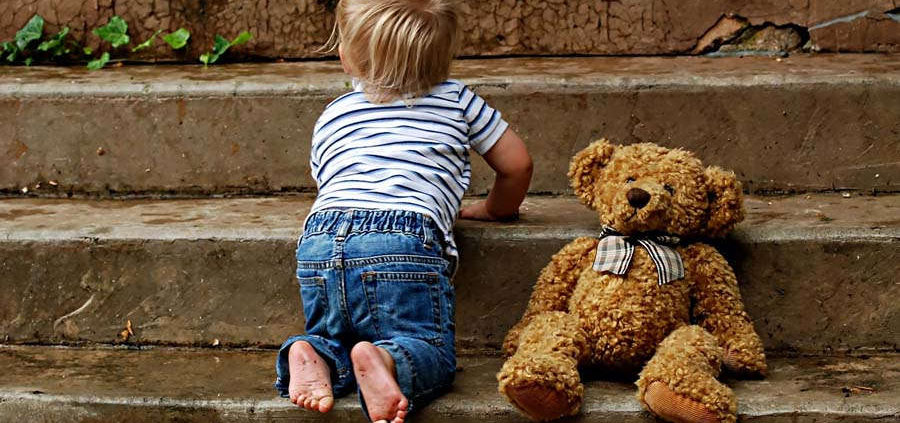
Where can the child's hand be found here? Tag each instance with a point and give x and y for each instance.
(479, 211)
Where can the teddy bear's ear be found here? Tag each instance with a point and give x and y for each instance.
(585, 168)
(725, 201)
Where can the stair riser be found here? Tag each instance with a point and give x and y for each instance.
(797, 137)
(805, 296)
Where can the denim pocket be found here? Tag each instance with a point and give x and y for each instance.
(314, 299)
(405, 304)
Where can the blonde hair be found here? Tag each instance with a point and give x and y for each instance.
(396, 48)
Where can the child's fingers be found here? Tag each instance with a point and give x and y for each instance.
(475, 211)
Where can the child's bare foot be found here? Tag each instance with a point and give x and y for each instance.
(310, 385)
(374, 369)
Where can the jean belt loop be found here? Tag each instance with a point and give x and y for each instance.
(345, 226)
(427, 231)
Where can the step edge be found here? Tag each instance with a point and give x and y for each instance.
(440, 406)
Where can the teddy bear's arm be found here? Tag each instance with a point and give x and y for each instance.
(719, 309)
(554, 285)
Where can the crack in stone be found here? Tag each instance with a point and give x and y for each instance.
(842, 19)
(733, 35)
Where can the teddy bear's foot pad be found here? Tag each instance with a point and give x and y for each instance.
(675, 408)
(539, 402)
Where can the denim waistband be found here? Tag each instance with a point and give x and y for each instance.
(345, 221)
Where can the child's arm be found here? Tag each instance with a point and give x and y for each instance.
(510, 159)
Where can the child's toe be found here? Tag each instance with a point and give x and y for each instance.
(325, 404)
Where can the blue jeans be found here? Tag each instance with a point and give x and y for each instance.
(377, 276)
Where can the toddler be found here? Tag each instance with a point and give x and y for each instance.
(391, 161)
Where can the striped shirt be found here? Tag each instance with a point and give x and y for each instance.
(407, 155)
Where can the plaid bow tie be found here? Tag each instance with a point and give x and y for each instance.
(615, 252)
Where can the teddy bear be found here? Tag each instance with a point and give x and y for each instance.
(645, 295)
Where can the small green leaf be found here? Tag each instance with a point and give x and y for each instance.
(56, 45)
(88, 51)
(147, 43)
(177, 39)
(30, 32)
(98, 63)
(114, 32)
(8, 47)
(29, 61)
(241, 38)
(221, 45)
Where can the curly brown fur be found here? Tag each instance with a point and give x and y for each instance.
(554, 285)
(688, 362)
(626, 318)
(718, 308)
(578, 316)
(542, 377)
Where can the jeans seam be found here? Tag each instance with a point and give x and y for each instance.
(395, 258)
(370, 302)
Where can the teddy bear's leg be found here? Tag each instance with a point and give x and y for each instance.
(679, 383)
(541, 378)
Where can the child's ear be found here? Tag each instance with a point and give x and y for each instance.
(585, 168)
(340, 49)
(725, 201)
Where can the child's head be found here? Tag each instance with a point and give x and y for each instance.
(396, 48)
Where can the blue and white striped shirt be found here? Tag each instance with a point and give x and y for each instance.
(407, 155)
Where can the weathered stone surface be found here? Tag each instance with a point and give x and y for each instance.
(864, 31)
(805, 123)
(296, 29)
(724, 30)
(114, 385)
(818, 273)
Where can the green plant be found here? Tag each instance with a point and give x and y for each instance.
(56, 46)
(114, 32)
(99, 63)
(147, 43)
(177, 39)
(221, 45)
(33, 30)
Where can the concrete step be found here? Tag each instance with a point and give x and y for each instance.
(804, 123)
(159, 384)
(297, 28)
(818, 273)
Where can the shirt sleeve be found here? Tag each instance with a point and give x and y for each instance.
(486, 126)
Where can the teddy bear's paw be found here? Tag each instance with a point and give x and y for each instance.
(544, 386)
(541, 403)
(670, 406)
(745, 363)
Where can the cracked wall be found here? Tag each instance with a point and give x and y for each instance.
(296, 28)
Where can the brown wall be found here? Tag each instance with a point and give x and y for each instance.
(295, 28)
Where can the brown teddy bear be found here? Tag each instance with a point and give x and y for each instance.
(645, 292)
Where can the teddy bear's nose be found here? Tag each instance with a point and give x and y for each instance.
(637, 197)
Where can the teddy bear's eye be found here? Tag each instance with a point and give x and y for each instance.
(629, 180)
(669, 188)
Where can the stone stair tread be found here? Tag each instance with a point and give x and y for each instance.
(768, 218)
(573, 73)
(245, 128)
(107, 383)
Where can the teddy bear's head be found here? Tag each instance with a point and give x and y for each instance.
(642, 188)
